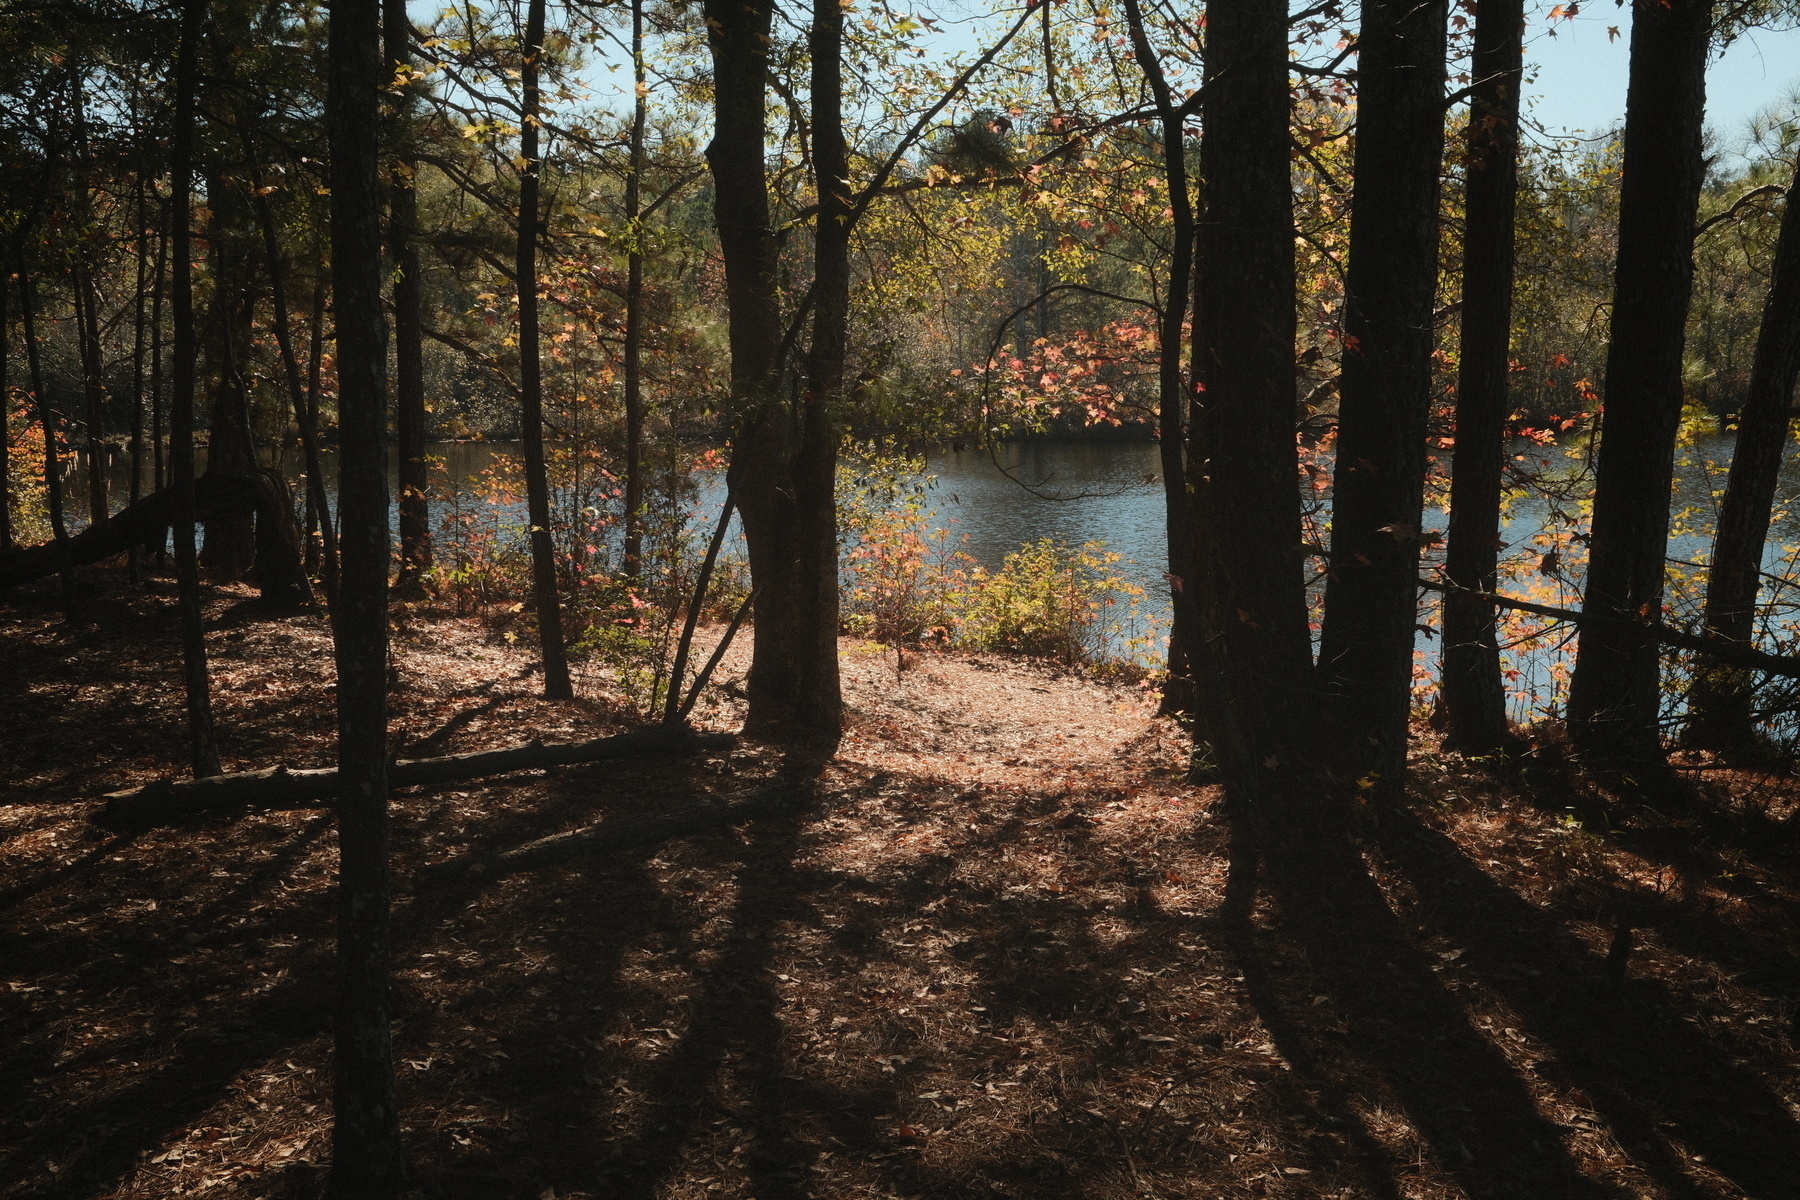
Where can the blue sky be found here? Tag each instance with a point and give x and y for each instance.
(1580, 74)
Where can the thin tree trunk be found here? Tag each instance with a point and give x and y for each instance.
(531, 386)
(93, 387)
(158, 470)
(1615, 696)
(135, 487)
(1256, 639)
(53, 488)
(1173, 392)
(1719, 707)
(634, 309)
(1474, 696)
(6, 513)
(323, 554)
(1371, 600)
(303, 416)
(366, 1151)
(793, 675)
(203, 748)
(409, 338)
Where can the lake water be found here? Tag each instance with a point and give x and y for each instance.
(1111, 492)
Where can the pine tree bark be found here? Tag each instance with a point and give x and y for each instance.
(548, 604)
(203, 747)
(1615, 696)
(1719, 707)
(793, 684)
(1371, 600)
(1256, 636)
(366, 1150)
(409, 337)
(1473, 694)
(820, 703)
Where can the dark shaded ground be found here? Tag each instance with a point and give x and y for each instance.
(1006, 954)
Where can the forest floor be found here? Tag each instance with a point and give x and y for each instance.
(997, 957)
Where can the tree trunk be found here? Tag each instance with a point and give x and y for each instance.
(158, 471)
(1172, 391)
(1474, 697)
(1615, 696)
(366, 1152)
(6, 514)
(93, 389)
(203, 748)
(53, 488)
(793, 675)
(230, 549)
(1371, 600)
(409, 339)
(531, 387)
(1256, 637)
(135, 488)
(634, 308)
(1719, 714)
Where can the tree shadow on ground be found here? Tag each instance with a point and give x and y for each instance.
(1331, 941)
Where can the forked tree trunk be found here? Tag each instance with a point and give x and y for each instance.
(1474, 697)
(774, 478)
(1719, 715)
(1615, 696)
(1257, 675)
(366, 1151)
(1371, 600)
(203, 748)
(531, 383)
(409, 338)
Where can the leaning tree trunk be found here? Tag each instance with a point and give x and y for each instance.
(1172, 391)
(409, 338)
(1719, 715)
(1474, 696)
(303, 415)
(1371, 600)
(1258, 666)
(203, 747)
(1615, 696)
(531, 382)
(366, 1153)
(793, 674)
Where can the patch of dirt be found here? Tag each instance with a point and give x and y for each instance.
(1007, 953)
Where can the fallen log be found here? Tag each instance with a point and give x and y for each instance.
(314, 787)
(618, 833)
(1736, 653)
